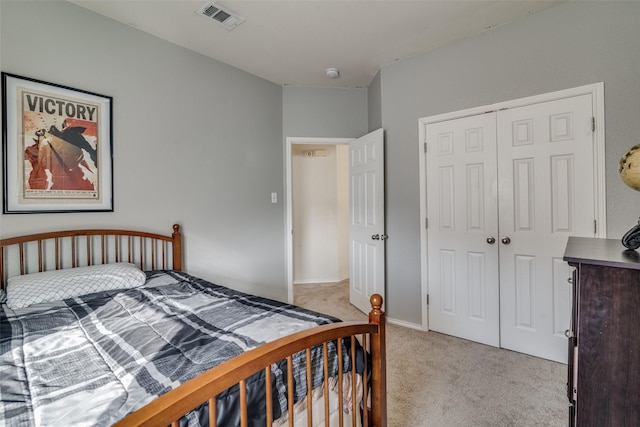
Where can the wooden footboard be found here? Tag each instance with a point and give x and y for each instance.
(170, 407)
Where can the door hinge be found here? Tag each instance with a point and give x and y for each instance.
(593, 124)
(426, 223)
(427, 299)
(425, 147)
(595, 226)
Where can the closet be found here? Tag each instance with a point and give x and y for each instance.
(505, 188)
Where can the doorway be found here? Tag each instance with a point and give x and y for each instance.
(324, 217)
(320, 188)
(366, 232)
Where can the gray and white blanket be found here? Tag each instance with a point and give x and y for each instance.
(92, 359)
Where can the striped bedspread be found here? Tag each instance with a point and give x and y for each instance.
(91, 360)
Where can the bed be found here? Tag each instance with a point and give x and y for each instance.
(103, 326)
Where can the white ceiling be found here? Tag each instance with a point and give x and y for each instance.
(293, 42)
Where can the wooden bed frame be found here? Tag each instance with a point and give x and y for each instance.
(149, 251)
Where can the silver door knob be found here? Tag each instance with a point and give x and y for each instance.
(376, 237)
(491, 240)
(506, 240)
(383, 237)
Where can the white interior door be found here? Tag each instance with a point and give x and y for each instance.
(547, 193)
(514, 292)
(463, 228)
(366, 216)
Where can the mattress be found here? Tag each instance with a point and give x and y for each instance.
(92, 359)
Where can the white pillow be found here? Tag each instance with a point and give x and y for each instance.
(28, 289)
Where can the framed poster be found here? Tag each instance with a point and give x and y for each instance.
(57, 148)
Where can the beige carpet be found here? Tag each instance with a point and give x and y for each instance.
(438, 380)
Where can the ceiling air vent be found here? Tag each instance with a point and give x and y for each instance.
(221, 15)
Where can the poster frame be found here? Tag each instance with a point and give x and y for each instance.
(20, 94)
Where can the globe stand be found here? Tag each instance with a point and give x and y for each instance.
(631, 239)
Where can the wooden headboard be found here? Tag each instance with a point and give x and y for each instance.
(77, 248)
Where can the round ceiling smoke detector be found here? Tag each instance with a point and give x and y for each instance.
(333, 73)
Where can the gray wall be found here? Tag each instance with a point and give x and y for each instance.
(570, 45)
(195, 141)
(374, 98)
(324, 112)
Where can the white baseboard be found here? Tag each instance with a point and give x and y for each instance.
(315, 282)
(404, 323)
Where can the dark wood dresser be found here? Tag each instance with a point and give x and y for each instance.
(604, 340)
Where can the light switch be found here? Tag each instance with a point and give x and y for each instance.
(274, 197)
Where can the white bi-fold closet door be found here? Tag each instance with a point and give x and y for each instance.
(505, 189)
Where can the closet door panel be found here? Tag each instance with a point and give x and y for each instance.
(462, 212)
(544, 151)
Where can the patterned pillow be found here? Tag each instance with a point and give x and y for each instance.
(23, 291)
(3, 296)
